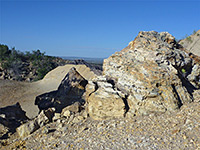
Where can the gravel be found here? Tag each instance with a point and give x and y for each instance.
(173, 130)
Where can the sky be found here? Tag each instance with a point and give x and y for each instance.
(91, 28)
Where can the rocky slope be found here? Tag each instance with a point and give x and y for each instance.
(192, 43)
(147, 98)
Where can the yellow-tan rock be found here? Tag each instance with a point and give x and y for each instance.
(153, 74)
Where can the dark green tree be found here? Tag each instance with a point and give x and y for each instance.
(4, 52)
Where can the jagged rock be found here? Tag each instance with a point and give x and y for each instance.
(65, 113)
(56, 116)
(41, 119)
(74, 108)
(50, 113)
(96, 68)
(27, 128)
(70, 91)
(194, 76)
(103, 101)
(153, 71)
(152, 74)
(77, 119)
(31, 126)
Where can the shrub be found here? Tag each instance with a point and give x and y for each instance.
(36, 55)
(189, 39)
(194, 32)
(13, 60)
(183, 70)
(4, 52)
(43, 66)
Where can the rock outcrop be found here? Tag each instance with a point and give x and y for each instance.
(70, 91)
(103, 101)
(192, 43)
(96, 68)
(152, 74)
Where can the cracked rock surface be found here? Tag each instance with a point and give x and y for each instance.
(154, 72)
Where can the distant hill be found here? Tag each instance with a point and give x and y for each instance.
(87, 59)
(192, 43)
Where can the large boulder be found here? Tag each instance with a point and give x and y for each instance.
(69, 91)
(152, 74)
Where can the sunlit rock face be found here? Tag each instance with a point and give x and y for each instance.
(152, 74)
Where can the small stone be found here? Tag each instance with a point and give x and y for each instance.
(4, 142)
(56, 116)
(184, 137)
(3, 116)
(60, 126)
(175, 131)
(140, 141)
(50, 113)
(77, 119)
(84, 114)
(141, 130)
(82, 129)
(66, 113)
(58, 121)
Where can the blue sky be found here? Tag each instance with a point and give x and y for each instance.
(91, 28)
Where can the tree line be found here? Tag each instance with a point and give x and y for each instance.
(12, 59)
